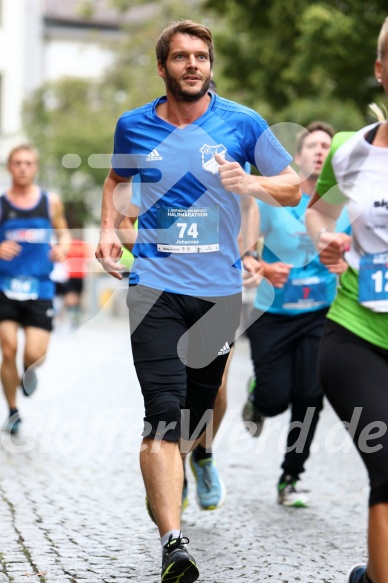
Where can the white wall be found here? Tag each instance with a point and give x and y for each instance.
(31, 54)
(64, 58)
(12, 47)
(20, 69)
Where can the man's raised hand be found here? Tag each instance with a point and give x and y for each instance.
(233, 176)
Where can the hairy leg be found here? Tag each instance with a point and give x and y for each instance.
(162, 471)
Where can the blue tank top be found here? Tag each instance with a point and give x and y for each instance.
(27, 275)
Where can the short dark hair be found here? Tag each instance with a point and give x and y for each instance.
(313, 126)
(183, 27)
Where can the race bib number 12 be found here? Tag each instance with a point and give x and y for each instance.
(373, 282)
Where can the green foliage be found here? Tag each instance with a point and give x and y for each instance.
(304, 58)
(292, 61)
(72, 116)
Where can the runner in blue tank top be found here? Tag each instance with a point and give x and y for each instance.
(185, 287)
(28, 218)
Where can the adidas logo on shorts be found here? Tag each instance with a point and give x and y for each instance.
(224, 350)
(154, 155)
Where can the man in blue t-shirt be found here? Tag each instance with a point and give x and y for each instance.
(210, 488)
(184, 296)
(288, 317)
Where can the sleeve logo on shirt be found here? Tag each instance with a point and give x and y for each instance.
(208, 162)
(154, 155)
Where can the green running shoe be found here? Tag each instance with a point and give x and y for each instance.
(251, 415)
(290, 494)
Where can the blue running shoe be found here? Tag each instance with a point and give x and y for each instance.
(12, 425)
(356, 574)
(29, 382)
(211, 491)
(177, 565)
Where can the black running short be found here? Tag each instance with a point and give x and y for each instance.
(284, 352)
(180, 347)
(72, 285)
(36, 313)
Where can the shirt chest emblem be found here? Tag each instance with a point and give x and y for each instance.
(209, 163)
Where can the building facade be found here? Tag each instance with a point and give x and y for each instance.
(44, 40)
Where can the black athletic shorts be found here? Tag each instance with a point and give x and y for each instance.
(73, 284)
(180, 347)
(284, 351)
(36, 313)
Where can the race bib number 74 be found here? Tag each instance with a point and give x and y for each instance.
(192, 230)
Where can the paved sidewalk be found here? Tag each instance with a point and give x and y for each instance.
(72, 499)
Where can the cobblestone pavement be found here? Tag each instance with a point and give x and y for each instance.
(72, 499)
